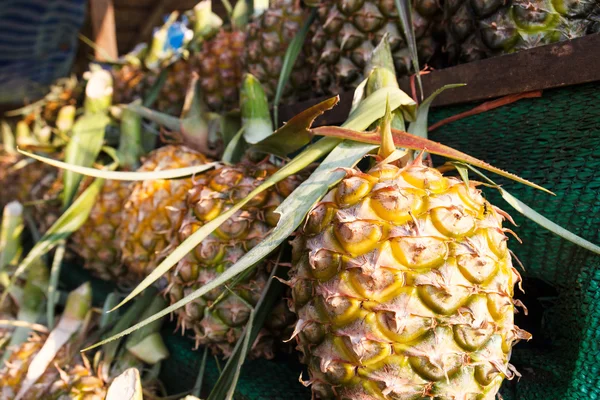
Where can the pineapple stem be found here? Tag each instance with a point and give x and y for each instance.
(146, 343)
(256, 118)
(9, 145)
(66, 119)
(130, 145)
(10, 234)
(79, 302)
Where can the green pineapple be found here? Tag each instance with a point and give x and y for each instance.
(480, 29)
(347, 31)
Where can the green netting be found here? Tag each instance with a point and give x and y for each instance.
(553, 141)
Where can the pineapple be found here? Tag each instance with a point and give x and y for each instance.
(267, 42)
(347, 31)
(403, 287)
(97, 241)
(154, 210)
(50, 365)
(23, 179)
(172, 93)
(130, 83)
(219, 65)
(218, 318)
(477, 30)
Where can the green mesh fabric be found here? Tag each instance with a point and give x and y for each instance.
(553, 141)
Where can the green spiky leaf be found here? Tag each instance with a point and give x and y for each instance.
(537, 217)
(256, 117)
(83, 149)
(408, 141)
(295, 134)
(70, 221)
(123, 175)
(225, 385)
(405, 12)
(419, 127)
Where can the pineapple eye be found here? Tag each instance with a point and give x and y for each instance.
(425, 178)
(397, 205)
(420, 252)
(452, 221)
(358, 237)
(319, 218)
(351, 190)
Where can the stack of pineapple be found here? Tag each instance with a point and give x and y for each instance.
(401, 280)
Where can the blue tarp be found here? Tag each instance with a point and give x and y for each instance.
(38, 42)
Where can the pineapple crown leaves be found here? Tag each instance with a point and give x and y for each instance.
(78, 305)
(70, 221)
(405, 12)
(193, 126)
(128, 386)
(206, 22)
(256, 118)
(529, 212)
(10, 233)
(224, 388)
(9, 144)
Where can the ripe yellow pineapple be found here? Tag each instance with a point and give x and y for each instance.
(219, 324)
(403, 286)
(97, 241)
(153, 212)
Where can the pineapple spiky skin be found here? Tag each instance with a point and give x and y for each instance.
(347, 31)
(268, 39)
(172, 93)
(219, 324)
(403, 286)
(129, 83)
(24, 180)
(479, 29)
(154, 210)
(97, 241)
(219, 65)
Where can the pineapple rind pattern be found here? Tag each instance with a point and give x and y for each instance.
(481, 29)
(267, 43)
(403, 287)
(347, 31)
(219, 317)
(154, 210)
(97, 241)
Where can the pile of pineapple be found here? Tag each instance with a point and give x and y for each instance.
(400, 283)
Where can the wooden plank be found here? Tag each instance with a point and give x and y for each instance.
(147, 4)
(102, 14)
(556, 65)
(552, 66)
(127, 17)
(153, 20)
